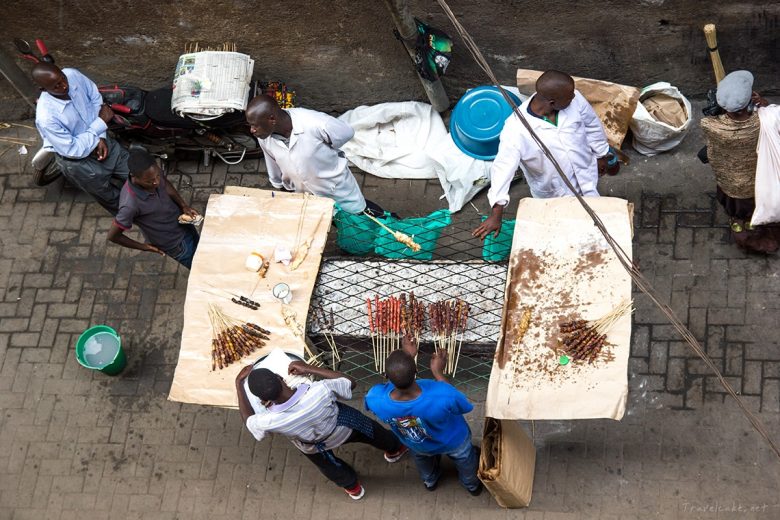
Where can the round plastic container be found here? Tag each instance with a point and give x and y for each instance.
(100, 348)
(477, 121)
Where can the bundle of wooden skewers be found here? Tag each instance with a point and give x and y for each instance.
(412, 317)
(391, 319)
(448, 323)
(584, 340)
(384, 325)
(291, 320)
(326, 324)
(232, 338)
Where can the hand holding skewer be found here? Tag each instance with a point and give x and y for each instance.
(438, 363)
(299, 368)
(408, 345)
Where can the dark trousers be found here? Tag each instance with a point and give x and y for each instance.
(342, 473)
(184, 252)
(95, 177)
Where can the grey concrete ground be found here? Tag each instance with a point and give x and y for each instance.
(79, 444)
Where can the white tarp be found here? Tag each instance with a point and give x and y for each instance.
(408, 140)
(768, 168)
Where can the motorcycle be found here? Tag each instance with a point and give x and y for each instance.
(145, 118)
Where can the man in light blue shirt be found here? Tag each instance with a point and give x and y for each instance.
(71, 119)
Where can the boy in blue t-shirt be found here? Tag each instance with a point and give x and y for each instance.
(427, 416)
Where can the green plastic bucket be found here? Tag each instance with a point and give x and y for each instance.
(100, 348)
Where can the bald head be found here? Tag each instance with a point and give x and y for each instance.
(51, 79)
(556, 88)
(263, 115)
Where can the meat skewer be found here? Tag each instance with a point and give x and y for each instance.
(584, 340)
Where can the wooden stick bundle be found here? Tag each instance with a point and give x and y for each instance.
(389, 320)
(583, 340)
(232, 339)
(291, 320)
(448, 320)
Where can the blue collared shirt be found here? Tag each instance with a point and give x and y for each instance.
(71, 126)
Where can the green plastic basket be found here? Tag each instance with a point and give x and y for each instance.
(498, 248)
(355, 234)
(114, 363)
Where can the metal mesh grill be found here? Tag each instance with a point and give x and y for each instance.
(451, 264)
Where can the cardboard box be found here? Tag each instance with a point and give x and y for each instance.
(507, 463)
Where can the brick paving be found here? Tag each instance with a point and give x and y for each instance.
(78, 444)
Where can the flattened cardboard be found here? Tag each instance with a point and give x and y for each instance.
(562, 268)
(237, 223)
(507, 463)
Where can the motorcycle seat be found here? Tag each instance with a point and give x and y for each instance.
(158, 109)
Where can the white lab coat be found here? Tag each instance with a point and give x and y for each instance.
(312, 161)
(576, 142)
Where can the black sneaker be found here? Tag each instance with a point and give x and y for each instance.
(433, 486)
(477, 491)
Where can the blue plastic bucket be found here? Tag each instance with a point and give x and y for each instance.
(477, 121)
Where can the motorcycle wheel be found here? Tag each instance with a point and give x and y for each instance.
(45, 176)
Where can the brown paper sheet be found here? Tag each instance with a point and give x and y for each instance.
(666, 109)
(613, 103)
(237, 223)
(562, 268)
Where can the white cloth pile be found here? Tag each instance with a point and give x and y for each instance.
(408, 140)
(768, 167)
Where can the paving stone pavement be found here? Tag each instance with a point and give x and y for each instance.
(79, 444)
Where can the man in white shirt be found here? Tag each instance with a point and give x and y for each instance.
(301, 149)
(72, 120)
(313, 419)
(567, 124)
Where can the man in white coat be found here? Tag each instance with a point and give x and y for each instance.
(567, 124)
(301, 149)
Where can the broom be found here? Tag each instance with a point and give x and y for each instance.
(712, 47)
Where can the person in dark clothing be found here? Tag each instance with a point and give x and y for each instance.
(151, 202)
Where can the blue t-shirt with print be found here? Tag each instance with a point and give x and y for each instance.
(432, 423)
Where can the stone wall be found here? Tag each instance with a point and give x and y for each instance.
(341, 53)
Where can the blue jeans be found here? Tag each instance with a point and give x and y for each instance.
(186, 250)
(465, 457)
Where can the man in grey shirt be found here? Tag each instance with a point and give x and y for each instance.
(148, 200)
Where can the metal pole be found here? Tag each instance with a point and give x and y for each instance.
(407, 28)
(18, 79)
